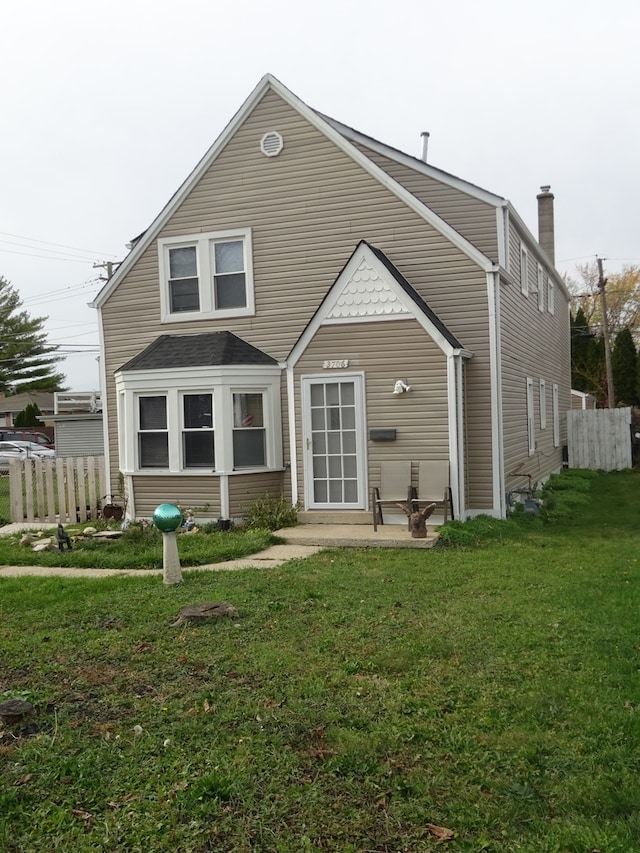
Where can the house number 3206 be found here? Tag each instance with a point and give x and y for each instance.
(336, 362)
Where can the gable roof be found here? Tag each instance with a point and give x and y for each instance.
(370, 288)
(316, 119)
(205, 350)
(17, 402)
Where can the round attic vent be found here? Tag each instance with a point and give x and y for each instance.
(271, 144)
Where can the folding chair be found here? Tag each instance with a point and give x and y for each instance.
(433, 486)
(395, 483)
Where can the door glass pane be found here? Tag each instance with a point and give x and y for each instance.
(351, 491)
(319, 443)
(333, 394)
(335, 466)
(349, 442)
(350, 466)
(320, 491)
(347, 393)
(317, 418)
(333, 442)
(335, 491)
(320, 466)
(317, 395)
(349, 417)
(333, 418)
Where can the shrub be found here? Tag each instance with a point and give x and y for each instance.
(270, 513)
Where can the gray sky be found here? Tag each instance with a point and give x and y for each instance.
(107, 105)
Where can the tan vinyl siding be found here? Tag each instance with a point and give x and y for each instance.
(471, 217)
(420, 417)
(244, 489)
(308, 208)
(533, 344)
(202, 494)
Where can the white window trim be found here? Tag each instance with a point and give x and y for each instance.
(550, 295)
(556, 416)
(222, 383)
(524, 270)
(540, 275)
(203, 243)
(531, 424)
(543, 404)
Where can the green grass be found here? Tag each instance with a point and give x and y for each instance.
(138, 548)
(360, 696)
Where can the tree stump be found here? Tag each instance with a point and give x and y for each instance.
(203, 612)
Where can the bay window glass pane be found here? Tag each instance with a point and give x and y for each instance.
(198, 449)
(153, 412)
(198, 411)
(230, 291)
(247, 411)
(248, 448)
(153, 449)
(229, 257)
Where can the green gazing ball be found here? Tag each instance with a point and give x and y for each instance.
(167, 517)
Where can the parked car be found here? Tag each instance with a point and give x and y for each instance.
(22, 450)
(40, 438)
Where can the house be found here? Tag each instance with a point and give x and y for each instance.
(14, 404)
(78, 423)
(256, 334)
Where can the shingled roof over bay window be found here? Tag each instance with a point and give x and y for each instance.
(208, 349)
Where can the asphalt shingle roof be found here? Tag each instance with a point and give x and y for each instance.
(210, 348)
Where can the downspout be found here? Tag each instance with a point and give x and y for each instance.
(291, 416)
(460, 503)
(454, 431)
(497, 426)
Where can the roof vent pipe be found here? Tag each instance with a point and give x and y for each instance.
(425, 144)
(546, 229)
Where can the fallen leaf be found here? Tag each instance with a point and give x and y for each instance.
(81, 813)
(24, 779)
(440, 832)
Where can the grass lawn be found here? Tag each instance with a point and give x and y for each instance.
(138, 548)
(361, 699)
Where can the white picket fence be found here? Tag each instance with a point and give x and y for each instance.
(599, 439)
(52, 490)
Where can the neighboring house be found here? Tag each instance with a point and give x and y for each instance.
(580, 400)
(255, 334)
(16, 403)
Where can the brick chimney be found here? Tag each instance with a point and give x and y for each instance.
(546, 232)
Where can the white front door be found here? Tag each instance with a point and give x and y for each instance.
(333, 428)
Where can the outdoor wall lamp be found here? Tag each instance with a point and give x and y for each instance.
(401, 387)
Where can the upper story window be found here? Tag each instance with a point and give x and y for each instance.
(550, 296)
(524, 270)
(540, 288)
(206, 276)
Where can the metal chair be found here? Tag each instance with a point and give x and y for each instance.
(433, 486)
(395, 482)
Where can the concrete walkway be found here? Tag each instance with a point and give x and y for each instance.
(302, 541)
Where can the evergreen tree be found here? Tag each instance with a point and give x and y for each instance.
(624, 367)
(27, 361)
(28, 417)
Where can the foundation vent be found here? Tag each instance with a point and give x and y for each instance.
(271, 144)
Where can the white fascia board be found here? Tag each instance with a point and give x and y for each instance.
(417, 165)
(495, 360)
(202, 376)
(319, 318)
(539, 253)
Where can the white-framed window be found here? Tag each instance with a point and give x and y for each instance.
(543, 404)
(220, 419)
(153, 434)
(249, 436)
(524, 270)
(531, 425)
(556, 416)
(198, 445)
(540, 288)
(551, 292)
(206, 275)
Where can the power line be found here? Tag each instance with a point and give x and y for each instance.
(62, 245)
(45, 257)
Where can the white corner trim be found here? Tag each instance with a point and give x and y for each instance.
(293, 450)
(105, 404)
(497, 426)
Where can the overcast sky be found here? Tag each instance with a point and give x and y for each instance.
(107, 105)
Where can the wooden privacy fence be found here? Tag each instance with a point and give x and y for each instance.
(65, 490)
(599, 439)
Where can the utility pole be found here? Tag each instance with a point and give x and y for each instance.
(611, 397)
(108, 266)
